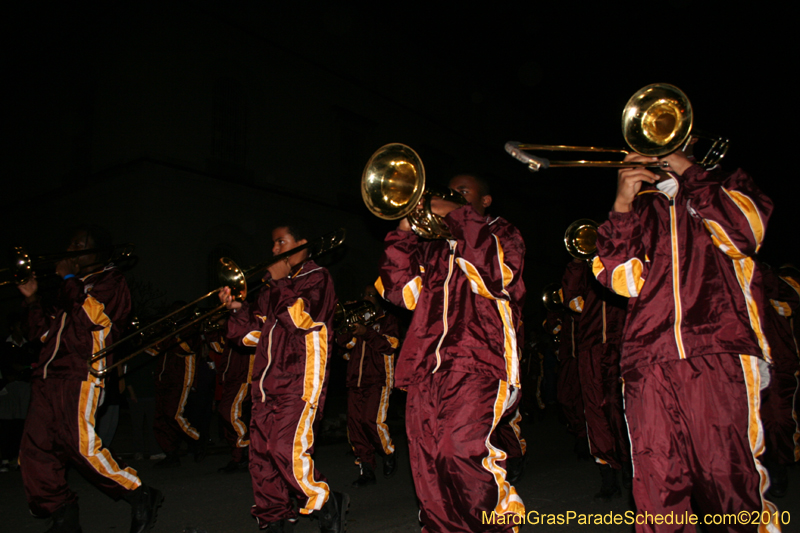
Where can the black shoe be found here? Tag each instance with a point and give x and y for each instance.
(229, 468)
(332, 516)
(390, 465)
(627, 475)
(515, 467)
(609, 487)
(367, 477)
(145, 502)
(170, 461)
(66, 519)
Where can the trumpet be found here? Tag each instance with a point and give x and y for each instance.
(230, 275)
(656, 121)
(349, 315)
(580, 239)
(393, 187)
(22, 264)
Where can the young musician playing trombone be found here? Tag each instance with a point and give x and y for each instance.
(93, 302)
(290, 324)
(459, 361)
(679, 244)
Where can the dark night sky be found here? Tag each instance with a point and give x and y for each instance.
(556, 73)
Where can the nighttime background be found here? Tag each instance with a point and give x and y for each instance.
(192, 128)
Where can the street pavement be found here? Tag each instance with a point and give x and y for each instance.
(201, 500)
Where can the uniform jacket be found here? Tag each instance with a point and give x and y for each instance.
(601, 313)
(466, 293)
(85, 320)
(177, 362)
(683, 257)
(371, 356)
(290, 325)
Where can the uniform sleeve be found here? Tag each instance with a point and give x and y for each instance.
(401, 270)
(783, 292)
(734, 210)
(301, 303)
(621, 263)
(575, 285)
(491, 257)
(385, 342)
(244, 326)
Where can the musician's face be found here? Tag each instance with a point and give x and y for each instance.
(82, 241)
(371, 294)
(468, 187)
(283, 241)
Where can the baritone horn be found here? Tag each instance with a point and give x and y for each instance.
(393, 187)
(22, 264)
(581, 238)
(656, 121)
(551, 297)
(349, 314)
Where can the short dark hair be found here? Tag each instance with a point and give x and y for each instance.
(298, 229)
(483, 185)
(101, 238)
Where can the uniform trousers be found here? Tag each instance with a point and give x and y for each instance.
(171, 424)
(366, 422)
(234, 408)
(460, 477)
(602, 404)
(507, 436)
(60, 430)
(696, 436)
(282, 430)
(569, 396)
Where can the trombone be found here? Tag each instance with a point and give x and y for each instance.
(22, 264)
(393, 187)
(230, 275)
(656, 121)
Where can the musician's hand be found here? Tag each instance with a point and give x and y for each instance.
(442, 207)
(629, 182)
(359, 330)
(280, 270)
(226, 298)
(68, 266)
(29, 288)
(678, 162)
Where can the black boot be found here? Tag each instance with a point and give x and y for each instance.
(145, 502)
(332, 517)
(281, 526)
(170, 461)
(367, 477)
(390, 465)
(66, 519)
(609, 487)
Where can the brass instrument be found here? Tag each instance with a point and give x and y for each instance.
(348, 315)
(580, 239)
(393, 187)
(656, 121)
(551, 297)
(231, 276)
(23, 264)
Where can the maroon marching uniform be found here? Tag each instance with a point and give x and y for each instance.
(779, 404)
(235, 372)
(290, 325)
(175, 374)
(59, 428)
(602, 316)
(568, 385)
(693, 341)
(459, 363)
(370, 379)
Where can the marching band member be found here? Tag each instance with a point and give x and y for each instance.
(290, 325)
(459, 361)
(370, 379)
(92, 304)
(679, 245)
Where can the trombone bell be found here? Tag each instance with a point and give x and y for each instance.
(581, 238)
